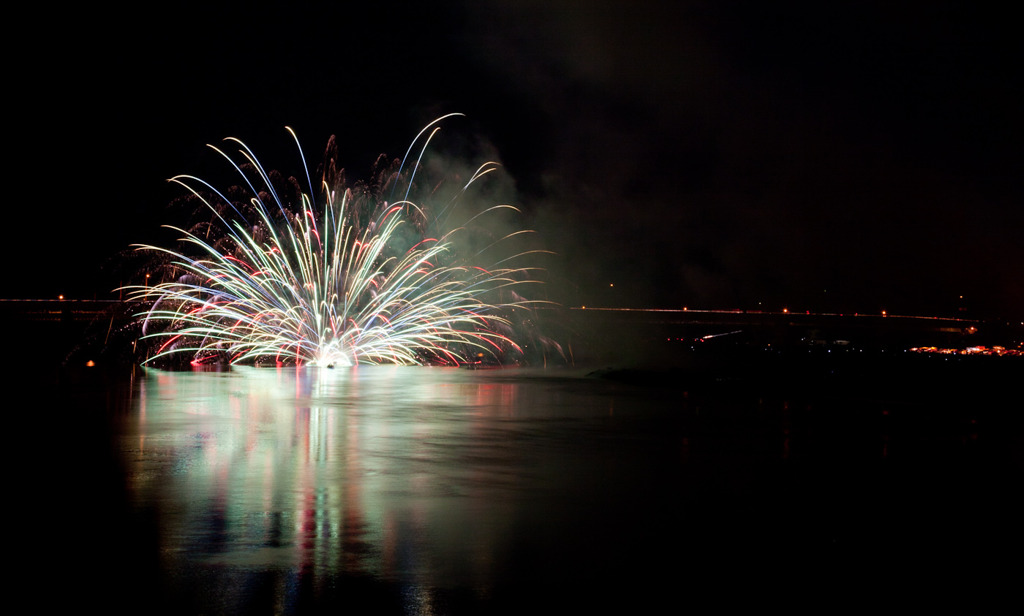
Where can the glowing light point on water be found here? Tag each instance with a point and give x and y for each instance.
(333, 284)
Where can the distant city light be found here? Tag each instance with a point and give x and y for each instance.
(971, 350)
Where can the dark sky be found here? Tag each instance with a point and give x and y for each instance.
(851, 156)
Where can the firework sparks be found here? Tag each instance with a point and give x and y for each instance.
(328, 284)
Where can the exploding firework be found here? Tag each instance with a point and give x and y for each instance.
(354, 279)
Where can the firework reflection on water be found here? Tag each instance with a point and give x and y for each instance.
(427, 477)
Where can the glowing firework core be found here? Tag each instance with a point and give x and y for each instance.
(328, 285)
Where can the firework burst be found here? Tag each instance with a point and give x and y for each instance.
(353, 279)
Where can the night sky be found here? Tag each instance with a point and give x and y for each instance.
(846, 156)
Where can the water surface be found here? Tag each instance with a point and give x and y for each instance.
(423, 490)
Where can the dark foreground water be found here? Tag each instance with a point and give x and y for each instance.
(449, 491)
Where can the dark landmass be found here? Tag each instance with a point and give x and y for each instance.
(872, 353)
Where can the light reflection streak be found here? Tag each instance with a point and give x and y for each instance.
(343, 471)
